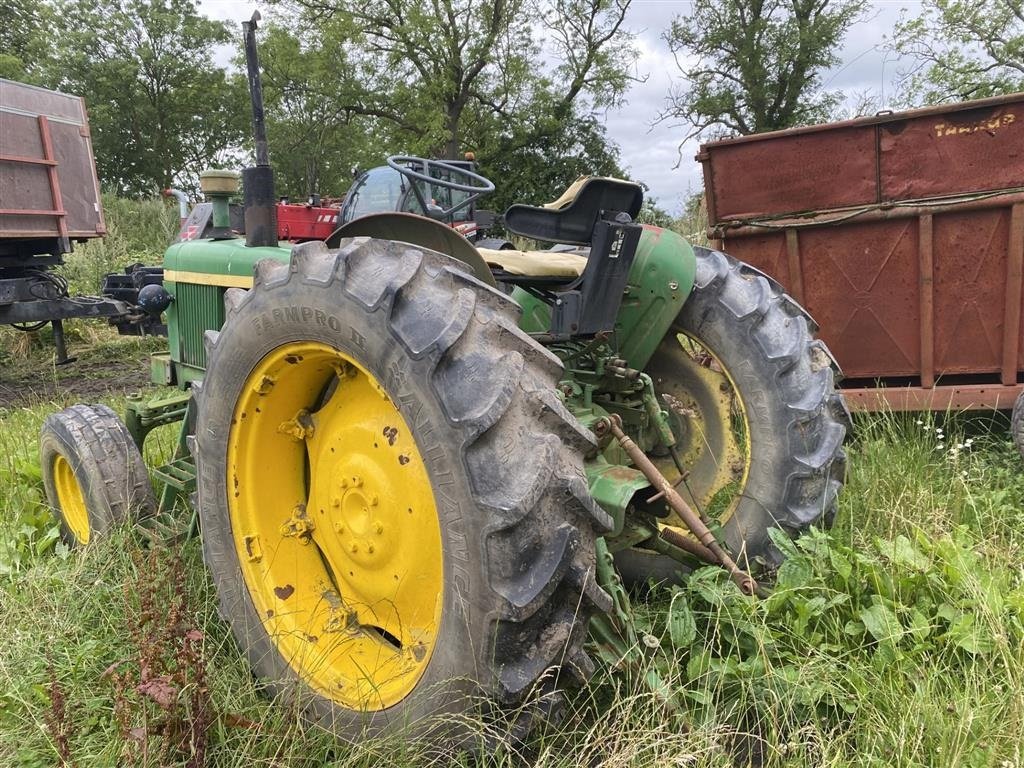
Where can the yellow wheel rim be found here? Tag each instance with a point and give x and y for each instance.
(335, 525)
(718, 409)
(71, 499)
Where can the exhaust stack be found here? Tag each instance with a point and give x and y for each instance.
(258, 182)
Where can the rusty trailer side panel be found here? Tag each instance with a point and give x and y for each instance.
(48, 184)
(902, 234)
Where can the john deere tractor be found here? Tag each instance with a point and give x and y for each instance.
(424, 474)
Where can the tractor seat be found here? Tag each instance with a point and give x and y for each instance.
(572, 217)
(549, 264)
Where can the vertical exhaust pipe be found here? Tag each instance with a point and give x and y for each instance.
(258, 182)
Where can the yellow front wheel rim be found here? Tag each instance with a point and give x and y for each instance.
(71, 499)
(335, 525)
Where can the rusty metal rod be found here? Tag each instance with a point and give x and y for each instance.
(742, 579)
(689, 546)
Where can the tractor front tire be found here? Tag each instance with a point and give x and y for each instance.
(758, 348)
(93, 473)
(391, 495)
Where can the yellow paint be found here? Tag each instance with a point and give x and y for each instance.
(992, 124)
(71, 499)
(335, 525)
(729, 397)
(203, 278)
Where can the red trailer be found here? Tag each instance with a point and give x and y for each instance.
(902, 234)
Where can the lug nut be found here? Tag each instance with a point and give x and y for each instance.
(356, 481)
(378, 526)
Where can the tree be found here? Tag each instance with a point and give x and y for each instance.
(316, 141)
(160, 110)
(961, 50)
(755, 65)
(24, 41)
(502, 78)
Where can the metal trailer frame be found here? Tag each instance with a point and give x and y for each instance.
(49, 197)
(903, 234)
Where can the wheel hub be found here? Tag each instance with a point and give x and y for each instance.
(335, 525)
(72, 501)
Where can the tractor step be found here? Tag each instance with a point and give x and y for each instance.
(165, 528)
(180, 474)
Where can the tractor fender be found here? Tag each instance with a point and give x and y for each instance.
(416, 230)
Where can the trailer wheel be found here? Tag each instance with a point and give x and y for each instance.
(391, 494)
(753, 402)
(93, 473)
(1017, 424)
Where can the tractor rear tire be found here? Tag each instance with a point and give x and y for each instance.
(784, 380)
(93, 473)
(1017, 424)
(498, 545)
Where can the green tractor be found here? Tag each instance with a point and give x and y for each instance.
(424, 479)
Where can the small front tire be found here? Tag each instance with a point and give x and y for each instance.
(93, 473)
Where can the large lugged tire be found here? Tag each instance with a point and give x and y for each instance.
(392, 499)
(1017, 424)
(93, 473)
(759, 366)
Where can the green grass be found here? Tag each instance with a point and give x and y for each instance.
(895, 640)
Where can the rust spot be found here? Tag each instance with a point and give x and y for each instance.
(270, 613)
(293, 359)
(283, 593)
(403, 459)
(391, 433)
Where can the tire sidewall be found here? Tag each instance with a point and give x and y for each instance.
(313, 312)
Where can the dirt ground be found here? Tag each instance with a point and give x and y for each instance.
(104, 365)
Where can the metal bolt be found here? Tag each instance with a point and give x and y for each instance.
(344, 483)
(378, 526)
(354, 548)
(339, 527)
(673, 285)
(356, 481)
(373, 500)
(336, 502)
(370, 549)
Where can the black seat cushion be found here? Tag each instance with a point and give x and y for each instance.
(575, 222)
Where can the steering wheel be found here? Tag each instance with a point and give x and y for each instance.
(478, 186)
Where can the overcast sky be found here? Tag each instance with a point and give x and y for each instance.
(651, 153)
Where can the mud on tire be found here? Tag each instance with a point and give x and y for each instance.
(504, 458)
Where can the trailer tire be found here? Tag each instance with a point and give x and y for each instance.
(93, 473)
(499, 534)
(1017, 424)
